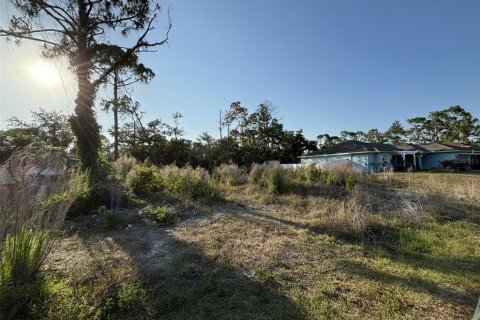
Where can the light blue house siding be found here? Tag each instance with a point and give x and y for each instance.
(365, 162)
(432, 160)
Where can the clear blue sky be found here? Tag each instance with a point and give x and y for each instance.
(326, 65)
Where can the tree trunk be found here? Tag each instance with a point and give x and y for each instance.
(115, 116)
(84, 124)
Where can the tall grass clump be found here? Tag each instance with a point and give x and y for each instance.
(350, 182)
(124, 165)
(35, 196)
(144, 182)
(188, 182)
(388, 177)
(342, 174)
(23, 255)
(230, 174)
(311, 173)
(256, 172)
(351, 219)
(276, 178)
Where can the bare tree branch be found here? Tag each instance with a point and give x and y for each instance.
(23, 35)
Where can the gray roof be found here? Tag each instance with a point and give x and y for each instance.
(354, 146)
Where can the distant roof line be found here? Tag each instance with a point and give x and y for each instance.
(354, 146)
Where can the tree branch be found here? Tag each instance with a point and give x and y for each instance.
(5, 33)
(141, 43)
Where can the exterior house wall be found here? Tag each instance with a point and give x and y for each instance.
(382, 161)
(327, 159)
(432, 160)
(363, 162)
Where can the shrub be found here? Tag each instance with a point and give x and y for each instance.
(350, 182)
(109, 219)
(144, 182)
(124, 165)
(308, 173)
(188, 182)
(313, 173)
(454, 164)
(161, 214)
(87, 198)
(130, 297)
(276, 178)
(339, 173)
(256, 172)
(230, 174)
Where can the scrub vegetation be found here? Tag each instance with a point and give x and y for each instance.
(258, 243)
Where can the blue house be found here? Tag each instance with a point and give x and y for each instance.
(376, 157)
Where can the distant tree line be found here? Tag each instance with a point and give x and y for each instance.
(244, 137)
(452, 124)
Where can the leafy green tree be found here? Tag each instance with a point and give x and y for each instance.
(417, 131)
(49, 127)
(324, 140)
(12, 139)
(375, 136)
(396, 133)
(453, 124)
(294, 144)
(74, 29)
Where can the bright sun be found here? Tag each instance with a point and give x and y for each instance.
(45, 73)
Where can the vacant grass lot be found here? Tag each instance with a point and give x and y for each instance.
(393, 246)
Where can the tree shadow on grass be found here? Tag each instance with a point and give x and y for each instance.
(181, 282)
(443, 292)
(448, 210)
(197, 287)
(393, 243)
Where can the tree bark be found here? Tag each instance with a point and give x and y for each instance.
(84, 123)
(115, 115)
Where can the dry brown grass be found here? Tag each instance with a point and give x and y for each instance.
(32, 200)
(376, 251)
(231, 174)
(124, 165)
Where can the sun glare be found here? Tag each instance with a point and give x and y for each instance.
(45, 73)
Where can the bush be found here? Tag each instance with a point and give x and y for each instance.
(130, 297)
(454, 164)
(256, 172)
(230, 174)
(161, 214)
(24, 301)
(124, 165)
(144, 182)
(309, 173)
(276, 178)
(88, 197)
(109, 219)
(188, 182)
(339, 173)
(350, 182)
